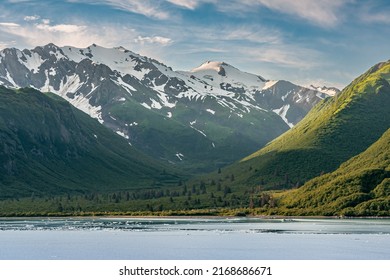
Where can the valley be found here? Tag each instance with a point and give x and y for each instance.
(101, 131)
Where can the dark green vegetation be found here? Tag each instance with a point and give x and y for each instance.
(179, 200)
(334, 131)
(359, 187)
(47, 147)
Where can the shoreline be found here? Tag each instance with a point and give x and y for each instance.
(189, 217)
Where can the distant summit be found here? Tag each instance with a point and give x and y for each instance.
(331, 91)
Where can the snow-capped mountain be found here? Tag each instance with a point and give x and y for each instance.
(331, 91)
(214, 111)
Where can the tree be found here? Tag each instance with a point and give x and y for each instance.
(251, 204)
(226, 190)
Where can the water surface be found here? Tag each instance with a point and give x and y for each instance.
(197, 238)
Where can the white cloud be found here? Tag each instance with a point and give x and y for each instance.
(3, 45)
(382, 18)
(31, 18)
(154, 40)
(323, 13)
(252, 34)
(64, 28)
(193, 4)
(9, 24)
(18, 1)
(149, 8)
(285, 56)
(188, 4)
(31, 35)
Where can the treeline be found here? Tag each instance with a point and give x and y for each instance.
(184, 197)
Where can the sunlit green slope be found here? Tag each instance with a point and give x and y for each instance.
(361, 186)
(334, 131)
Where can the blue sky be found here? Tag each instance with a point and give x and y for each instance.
(324, 42)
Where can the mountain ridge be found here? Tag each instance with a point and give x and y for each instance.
(335, 130)
(147, 103)
(50, 148)
(359, 187)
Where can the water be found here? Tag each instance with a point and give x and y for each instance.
(214, 238)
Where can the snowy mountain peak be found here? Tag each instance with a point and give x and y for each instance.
(331, 91)
(120, 48)
(226, 77)
(210, 65)
(120, 88)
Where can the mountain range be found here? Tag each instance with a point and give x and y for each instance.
(48, 148)
(198, 120)
(153, 128)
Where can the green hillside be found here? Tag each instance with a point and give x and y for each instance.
(47, 147)
(361, 186)
(334, 131)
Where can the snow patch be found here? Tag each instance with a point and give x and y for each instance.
(331, 91)
(46, 87)
(285, 96)
(155, 104)
(300, 98)
(58, 55)
(211, 111)
(200, 131)
(52, 71)
(146, 106)
(34, 61)
(180, 156)
(282, 112)
(71, 85)
(10, 79)
(269, 84)
(121, 133)
(209, 65)
(163, 97)
(83, 104)
(117, 59)
(124, 85)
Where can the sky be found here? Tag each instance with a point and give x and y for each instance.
(323, 42)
